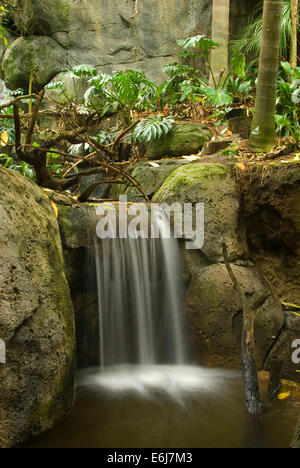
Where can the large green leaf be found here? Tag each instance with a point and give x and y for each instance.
(201, 42)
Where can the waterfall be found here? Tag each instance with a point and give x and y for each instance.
(140, 298)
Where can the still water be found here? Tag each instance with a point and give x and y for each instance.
(168, 407)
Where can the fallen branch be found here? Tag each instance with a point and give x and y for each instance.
(254, 404)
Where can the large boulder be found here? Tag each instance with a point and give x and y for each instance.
(215, 187)
(36, 314)
(150, 176)
(184, 139)
(38, 54)
(214, 313)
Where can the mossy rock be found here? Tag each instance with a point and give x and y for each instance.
(42, 17)
(36, 315)
(39, 54)
(183, 140)
(149, 177)
(215, 187)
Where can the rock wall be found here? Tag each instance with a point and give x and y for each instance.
(109, 34)
(36, 315)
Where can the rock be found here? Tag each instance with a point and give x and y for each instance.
(282, 349)
(184, 139)
(36, 315)
(76, 224)
(146, 41)
(40, 54)
(240, 125)
(141, 35)
(100, 192)
(214, 313)
(213, 185)
(272, 215)
(150, 177)
(214, 146)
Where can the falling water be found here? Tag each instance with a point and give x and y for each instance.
(140, 300)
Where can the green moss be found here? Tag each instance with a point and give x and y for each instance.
(190, 175)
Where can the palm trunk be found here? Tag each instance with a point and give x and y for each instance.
(262, 137)
(220, 34)
(294, 41)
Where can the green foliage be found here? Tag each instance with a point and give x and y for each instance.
(288, 100)
(217, 97)
(122, 90)
(22, 167)
(202, 43)
(153, 128)
(249, 40)
(84, 71)
(238, 64)
(239, 89)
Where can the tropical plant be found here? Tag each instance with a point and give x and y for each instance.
(288, 99)
(122, 91)
(22, 167)
(249, 40)
(262, 136)
(153, 128)
(192, 85)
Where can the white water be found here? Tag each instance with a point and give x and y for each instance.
(140, 301)
(177, 382)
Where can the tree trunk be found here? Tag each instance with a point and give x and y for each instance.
(294, 41)
(262, 137)
(220, 34)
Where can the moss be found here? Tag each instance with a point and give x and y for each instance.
(190, 175)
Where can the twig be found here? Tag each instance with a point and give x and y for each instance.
(34, 117)
(17, 99)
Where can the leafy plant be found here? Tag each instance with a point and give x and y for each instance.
(249, 40)
(22, 167)
(122, 90)
(195, 86)
(288, 99)
(153, 128)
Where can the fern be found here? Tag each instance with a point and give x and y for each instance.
(153, 128)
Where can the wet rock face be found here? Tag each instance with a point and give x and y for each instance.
(214, 312)
(212, 307)
(36, 315)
